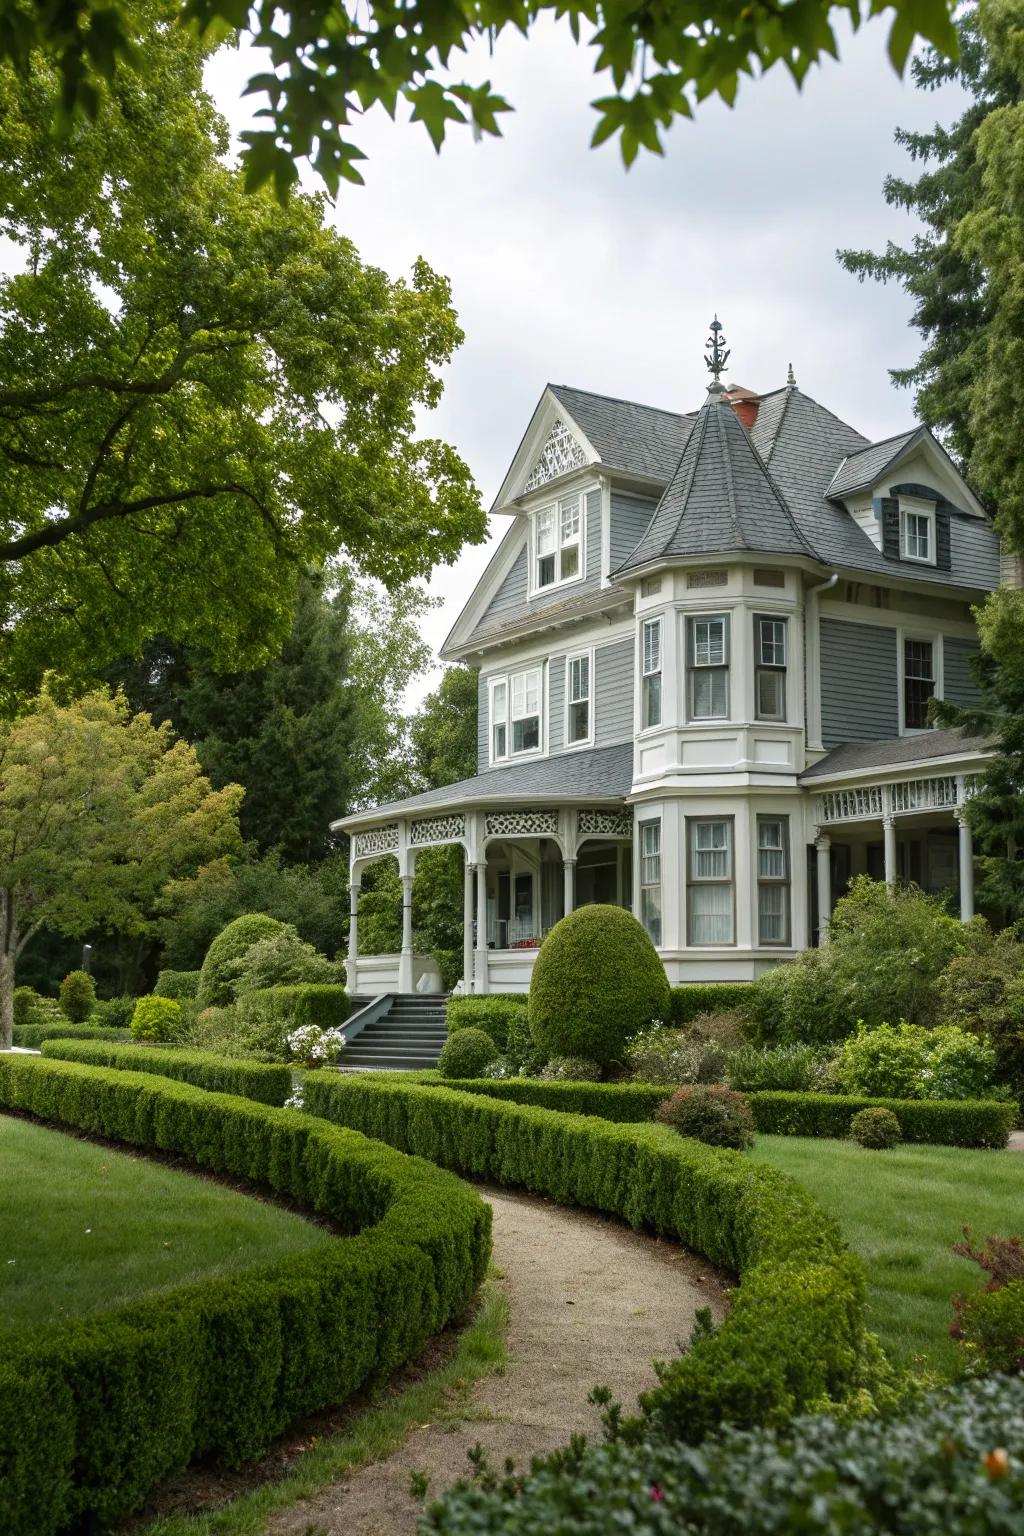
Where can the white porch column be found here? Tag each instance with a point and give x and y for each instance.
(569, 875)
(480, 984)
(467, 926)
(823, 850)
(405, 959)
(354, 887)
(889, 832)
(966, 865)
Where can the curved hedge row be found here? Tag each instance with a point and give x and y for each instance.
(95, 1412)
(263, 1083)
(795, 1330)
(950, 1123)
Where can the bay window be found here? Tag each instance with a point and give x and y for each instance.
(707, 661)
(709, 888)
(769, 668)
(650, 704)
(578, 700)
(773, 880)
(650, 879)
(559, 538)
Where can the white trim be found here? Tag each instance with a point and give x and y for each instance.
(495, 680)
(932, 767)
(913, 506)
(533, 589)
(588, 741)
(606, 530)
(934, 638)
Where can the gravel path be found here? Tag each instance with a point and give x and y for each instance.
(591, 1302)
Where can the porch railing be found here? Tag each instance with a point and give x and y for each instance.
(513, 933)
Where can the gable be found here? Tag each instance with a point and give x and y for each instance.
(561, 453)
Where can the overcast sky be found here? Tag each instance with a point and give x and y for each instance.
(567, 268)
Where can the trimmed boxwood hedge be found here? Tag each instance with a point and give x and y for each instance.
(957, 1123)
(33, 1035)
(325, 1005)
(220, 1074)
(493, 1013)
(795, 1330)
(95, 1412)
(685, 1003)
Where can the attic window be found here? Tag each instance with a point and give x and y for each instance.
(559, 535)
(917, 534)
(763, 577)
(714, 578)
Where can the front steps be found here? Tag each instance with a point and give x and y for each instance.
(410, 1035)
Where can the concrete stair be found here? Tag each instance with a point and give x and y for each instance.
(408, 1036)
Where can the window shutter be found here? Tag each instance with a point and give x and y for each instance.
(943, 540)
(890, 527)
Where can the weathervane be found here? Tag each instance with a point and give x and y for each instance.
(718, 356)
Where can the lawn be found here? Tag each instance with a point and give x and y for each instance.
(84, 1229)
(902, 1211)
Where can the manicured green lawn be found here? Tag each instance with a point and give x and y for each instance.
(84, 1229)
(902, 1211)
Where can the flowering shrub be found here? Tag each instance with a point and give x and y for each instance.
(717, 1116)
(571, 1069)
(878, 1129)
(313, 1047)
(906, 1061)
(660, 1055)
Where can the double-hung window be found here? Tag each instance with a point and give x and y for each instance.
(650, 878)
(769, 668)
(559, 536)
(710, 882)
(708, 667)
(773, 880)
(918, 682)
(525, 711)
(650, 702)
(578, 713)
(917, 535)
(499, 721)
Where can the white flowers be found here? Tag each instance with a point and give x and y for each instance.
(312, 1046)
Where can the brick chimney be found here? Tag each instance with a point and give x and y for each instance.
(744, 402)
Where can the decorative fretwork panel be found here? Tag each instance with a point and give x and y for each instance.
(925, 794)
(851, 804)
(560, 454)
(872, 802)
(437, 829)
(521, 824)
(604, 823)
(375, 840)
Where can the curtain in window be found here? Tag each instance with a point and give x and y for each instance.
(771, 913)
(710, 914)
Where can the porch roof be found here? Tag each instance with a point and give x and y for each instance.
(603, 775)
(898, 752)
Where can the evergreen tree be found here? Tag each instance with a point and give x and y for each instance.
(443, 733)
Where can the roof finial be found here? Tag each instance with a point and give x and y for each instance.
(790, 379)
(717, 358)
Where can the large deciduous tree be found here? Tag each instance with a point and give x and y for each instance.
(201, 390)
(331, 61)
(99, 809)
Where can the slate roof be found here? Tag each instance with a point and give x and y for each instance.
(860, 470)
(897, 752)
(635, 439)
(605, 774)
(720, 499)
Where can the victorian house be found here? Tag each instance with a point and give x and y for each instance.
(706, 646)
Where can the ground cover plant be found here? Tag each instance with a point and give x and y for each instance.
(119, 1228)
(902, 1211)
(225, 1366)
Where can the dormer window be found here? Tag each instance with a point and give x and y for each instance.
(917, 535)
(559, 543)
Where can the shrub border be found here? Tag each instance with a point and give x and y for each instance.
(95, 1412)
(263, 1083)
(795, 1331)
(33, 1035)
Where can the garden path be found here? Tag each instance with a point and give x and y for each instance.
(590, 1302)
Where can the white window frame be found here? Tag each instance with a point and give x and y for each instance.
(694, 880)
(926, 512)
(783, 881)
(588, 699)
(655, 622)
(557, 509)
(928, 637)
(650, 874)
(778, 668)
(508, 680)
(695, 667)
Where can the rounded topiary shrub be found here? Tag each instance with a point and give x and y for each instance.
(876, 1128)
(596, 982)
(25, 1000)
(466, 1053)
(721, 1117)
(217, 974)
(156, 1019)
(77, 996)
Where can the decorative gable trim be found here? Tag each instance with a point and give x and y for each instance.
(561, 454)
(552, 445)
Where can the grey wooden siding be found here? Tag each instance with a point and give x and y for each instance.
(629, 516)
(859, 683)
(511, 602)
(975, 551)
(556, 703)
(613, 682)
(958, 683)
(483, 702)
